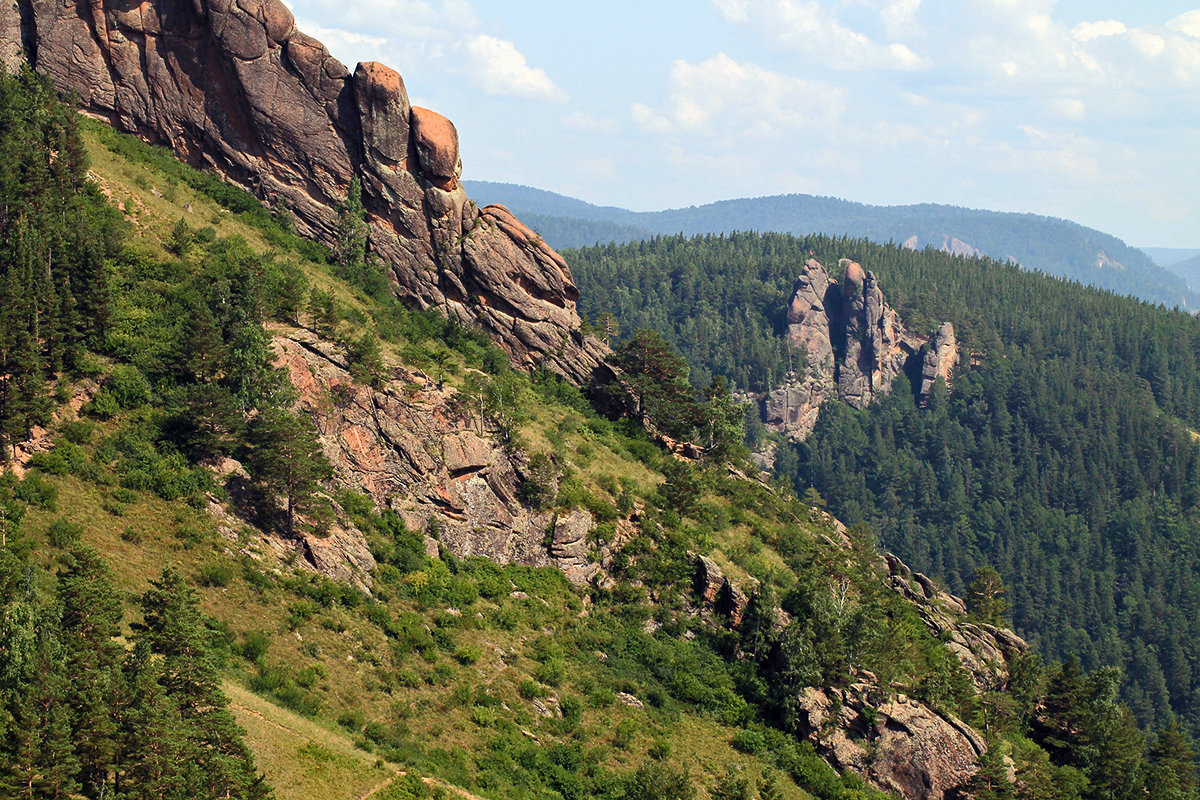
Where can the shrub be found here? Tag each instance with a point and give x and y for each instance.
(103, 406)
(128, 386)
(254, 646)
(624, 734)
(467, 654)
(750, 742)
(300, 612)
(123, 495)
(63, 533)
(37, 491)
(65, 459)
(214, 575)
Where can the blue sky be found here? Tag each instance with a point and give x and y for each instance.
(1082, 109)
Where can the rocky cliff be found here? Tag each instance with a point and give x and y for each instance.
(414, 447)
(850, 344)
(233, 86)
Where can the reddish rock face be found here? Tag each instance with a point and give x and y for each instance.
(412, 446)
(437, 146)
(232, 86)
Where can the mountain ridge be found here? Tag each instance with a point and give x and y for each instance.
(1055, 246)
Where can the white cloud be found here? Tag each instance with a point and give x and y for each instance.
(1069, 108)
(604, 168)
(723, 96)
(417, 34)
(1087, 31)
(579, 121)
(501, 69)
(899, 17)
(807, 26)
(1148, 44)
(1187, 23)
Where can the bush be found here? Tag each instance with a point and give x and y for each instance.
(128, 386)
(531, 689)
(37, 491)
(103, 406)
(750, 742)
(78, 431)
(214, 575)
(255, 645)
(63, 533)
(468, 654)
(65, 459)
(300, 612)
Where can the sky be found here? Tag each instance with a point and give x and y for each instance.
(1087, 110)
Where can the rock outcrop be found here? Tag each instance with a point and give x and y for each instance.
(233, 86)
(413, 447)
(897, 743)
(718, 592)
(849, 344)
(984, 650)
(939, 360)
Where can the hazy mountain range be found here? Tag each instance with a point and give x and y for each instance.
(1054, 246)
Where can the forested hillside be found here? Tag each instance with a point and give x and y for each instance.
(735, 641)
(1064, 455)
(1046, 244)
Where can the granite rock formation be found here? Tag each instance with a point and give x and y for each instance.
(234, 87)
(984, 650)
(901, 745)
(412, 446)
(849, 344)
(939, 360)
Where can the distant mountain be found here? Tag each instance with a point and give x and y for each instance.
(1189, 270)
(1167, 256)
(1054, 246)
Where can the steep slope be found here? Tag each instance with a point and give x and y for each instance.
(1063, 454)
(234, 87)
(1188, 269)
(1054, 246)
(488, 673)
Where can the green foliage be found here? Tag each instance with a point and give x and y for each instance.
(82, 715)
(1062, 456)
(56, 234)
(285, 459)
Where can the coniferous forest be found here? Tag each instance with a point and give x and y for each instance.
(1064, 454)
(1064, 459)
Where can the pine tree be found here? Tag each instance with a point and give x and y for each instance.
(1172, 767)
(175, 630)
(91, 615)
(285, 459)
(150, 737)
